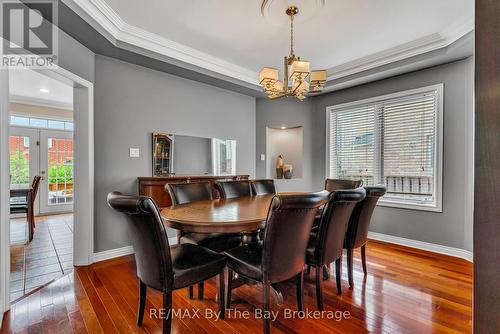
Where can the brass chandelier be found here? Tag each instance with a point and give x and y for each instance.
(301, 80)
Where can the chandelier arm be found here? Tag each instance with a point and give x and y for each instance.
(292, 52)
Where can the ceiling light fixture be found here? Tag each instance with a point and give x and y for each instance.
(44, 90)
(301, 80)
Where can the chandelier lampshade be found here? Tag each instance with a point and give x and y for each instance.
(298, 79)
(268, 75)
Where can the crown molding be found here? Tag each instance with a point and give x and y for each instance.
(121, 34)
(107, 22)
(34, 101)
(416, 47)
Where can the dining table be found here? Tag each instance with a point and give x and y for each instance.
(245, 215)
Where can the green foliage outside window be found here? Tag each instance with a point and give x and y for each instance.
(19, 168)
(61, 173)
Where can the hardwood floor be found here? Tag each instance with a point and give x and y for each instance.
(406, 291)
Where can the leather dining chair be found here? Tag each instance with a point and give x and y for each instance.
(182, 193)
(159, 267)
(338, 184)
(263, 187)
(357, 230)
(27, 205)
(271, 261)
(326, 244)
(234, 189)
(333, 185)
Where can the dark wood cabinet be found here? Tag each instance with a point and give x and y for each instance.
(154, 187)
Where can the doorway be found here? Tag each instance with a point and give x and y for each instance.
(40, 147)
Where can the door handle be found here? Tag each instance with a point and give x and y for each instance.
(42, 173)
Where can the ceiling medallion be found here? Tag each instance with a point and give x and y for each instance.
(301, 80)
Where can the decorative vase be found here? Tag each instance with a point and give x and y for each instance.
(287, 171)
(279, 172)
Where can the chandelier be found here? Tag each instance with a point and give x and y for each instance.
(298, 79)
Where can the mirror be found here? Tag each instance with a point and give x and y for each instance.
(189, 155)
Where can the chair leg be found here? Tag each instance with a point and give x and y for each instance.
(267, 307)
(190, 292)
(363, 258)
(229, 275)
(220, 296)
(300, 285)
(201, 287)
(326, 272)
(142, 302)
(338, 275)
(167, 305)
(350, 271)
(319, 292)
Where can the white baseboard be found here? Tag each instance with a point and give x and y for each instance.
(112, 253)
(451, 251)
(122, 251)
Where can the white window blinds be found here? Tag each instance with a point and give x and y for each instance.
(392, 140)
(352, 144)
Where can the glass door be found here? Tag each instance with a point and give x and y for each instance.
(56, 168)
(23, 159)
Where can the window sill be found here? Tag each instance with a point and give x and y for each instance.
(411, 206)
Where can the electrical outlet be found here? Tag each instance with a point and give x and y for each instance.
(262, 157)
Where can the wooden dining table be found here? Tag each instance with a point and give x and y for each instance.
(244, 215)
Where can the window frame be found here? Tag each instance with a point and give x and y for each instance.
(437, 204)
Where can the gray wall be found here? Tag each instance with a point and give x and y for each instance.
(192, 155)
(289, 113)
(452, 227)
(130, 103)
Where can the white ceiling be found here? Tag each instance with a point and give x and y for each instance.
(25, 85)
(232, 37)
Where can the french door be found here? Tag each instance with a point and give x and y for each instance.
(48, 153)
(56, 169)
(23, 158)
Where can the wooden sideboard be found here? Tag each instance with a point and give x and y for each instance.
(154, 187)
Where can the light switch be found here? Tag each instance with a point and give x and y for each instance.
(134, 152)
(262, 157)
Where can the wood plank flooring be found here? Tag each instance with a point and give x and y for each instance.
(406, 291)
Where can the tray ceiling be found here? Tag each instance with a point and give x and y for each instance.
(234, 38)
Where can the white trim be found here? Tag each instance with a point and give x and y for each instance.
(427, 246)
(4, 195)
(35, 101)
(107, 22)
(122, 251)
(437, 206)
(112, 253)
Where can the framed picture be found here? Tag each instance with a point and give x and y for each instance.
(163, 154)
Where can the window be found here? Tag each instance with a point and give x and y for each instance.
(40, 123)
(394, 140)
(223, 157)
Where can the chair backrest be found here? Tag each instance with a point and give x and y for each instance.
(35, 185)
(233, 189)
(149, 239)
(289, 222)
(333, 224)
(181, 193)
(357, 231)
(263, 187)
(335, 184)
